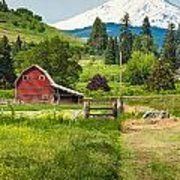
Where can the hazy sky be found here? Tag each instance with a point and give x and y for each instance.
(55, 10)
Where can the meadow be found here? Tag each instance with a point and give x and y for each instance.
(48, 148)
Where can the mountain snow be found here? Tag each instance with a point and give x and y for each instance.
(160, 13)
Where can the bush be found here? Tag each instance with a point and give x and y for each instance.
(98, 82)
(139, 68)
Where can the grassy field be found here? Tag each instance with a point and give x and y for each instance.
(56, 149)
(49, 146)
(150, 152)
(27, 34)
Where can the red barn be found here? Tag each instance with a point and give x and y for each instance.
(35, 85)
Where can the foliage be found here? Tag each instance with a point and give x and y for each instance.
(177, 37)
(3, 6)
(6, 94)
(126, 39)
(7, 75)
(145, 42)
(98, 82)
(56, 57)
(139, 68)
(98, 38)
(110, 54)
(170, 46)
(162, 77)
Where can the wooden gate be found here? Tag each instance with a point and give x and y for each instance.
(101, 108)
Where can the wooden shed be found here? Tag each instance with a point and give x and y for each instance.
(35, 85)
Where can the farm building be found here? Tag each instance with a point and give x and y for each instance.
(35, 85)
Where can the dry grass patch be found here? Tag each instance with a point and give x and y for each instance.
(151, 149)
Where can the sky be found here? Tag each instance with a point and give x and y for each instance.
(53, 11)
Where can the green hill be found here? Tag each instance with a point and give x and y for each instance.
(29, 26)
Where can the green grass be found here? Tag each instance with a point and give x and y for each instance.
(6, 94)
(28, 35)
(55, 149)
(40, 107)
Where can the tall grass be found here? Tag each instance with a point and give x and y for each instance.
(48, 148)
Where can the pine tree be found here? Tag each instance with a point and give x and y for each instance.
(3, 6)
(162, 77)
(7, 75)
(99, 37)
(126, 39)
(146, 27)
(110, 54)
(177, 64)
(170, 46)
(147, 38)
(17, 45)
(116, 45)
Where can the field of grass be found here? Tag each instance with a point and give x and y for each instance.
(32, 148)
(151, 151)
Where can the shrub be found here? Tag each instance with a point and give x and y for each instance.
(98, 82)
(139, 68)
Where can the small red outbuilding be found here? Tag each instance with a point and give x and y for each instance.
(35, 85)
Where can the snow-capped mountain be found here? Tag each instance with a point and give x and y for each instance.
(160, 12)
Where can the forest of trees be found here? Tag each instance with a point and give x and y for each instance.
(145, 62)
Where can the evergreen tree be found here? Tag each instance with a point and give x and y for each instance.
(99, 37)
(146, 27)
(145, 42)
(3, 6)
(116, 45)
(17, 45)
(110, 54)
(170, 46)
(177, 64)
(126, 39)
(7, 75)
(162, 77)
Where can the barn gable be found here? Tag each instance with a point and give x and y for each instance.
(36, 85)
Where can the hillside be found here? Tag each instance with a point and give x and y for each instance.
(29, 28)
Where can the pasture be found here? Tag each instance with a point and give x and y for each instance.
(53, 148)
(47, 142)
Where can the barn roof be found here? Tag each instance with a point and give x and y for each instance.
(51, 81)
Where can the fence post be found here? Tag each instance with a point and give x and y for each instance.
(120, 105)
(86, 109)
(115, 109)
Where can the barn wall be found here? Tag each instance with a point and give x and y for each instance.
(34, 89)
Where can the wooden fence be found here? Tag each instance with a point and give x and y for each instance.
(102, 108)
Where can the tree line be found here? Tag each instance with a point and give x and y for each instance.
(145, 62)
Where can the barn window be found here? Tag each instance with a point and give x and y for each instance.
(42, 77)
(25, 77)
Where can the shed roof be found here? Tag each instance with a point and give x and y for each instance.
(51, 81)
